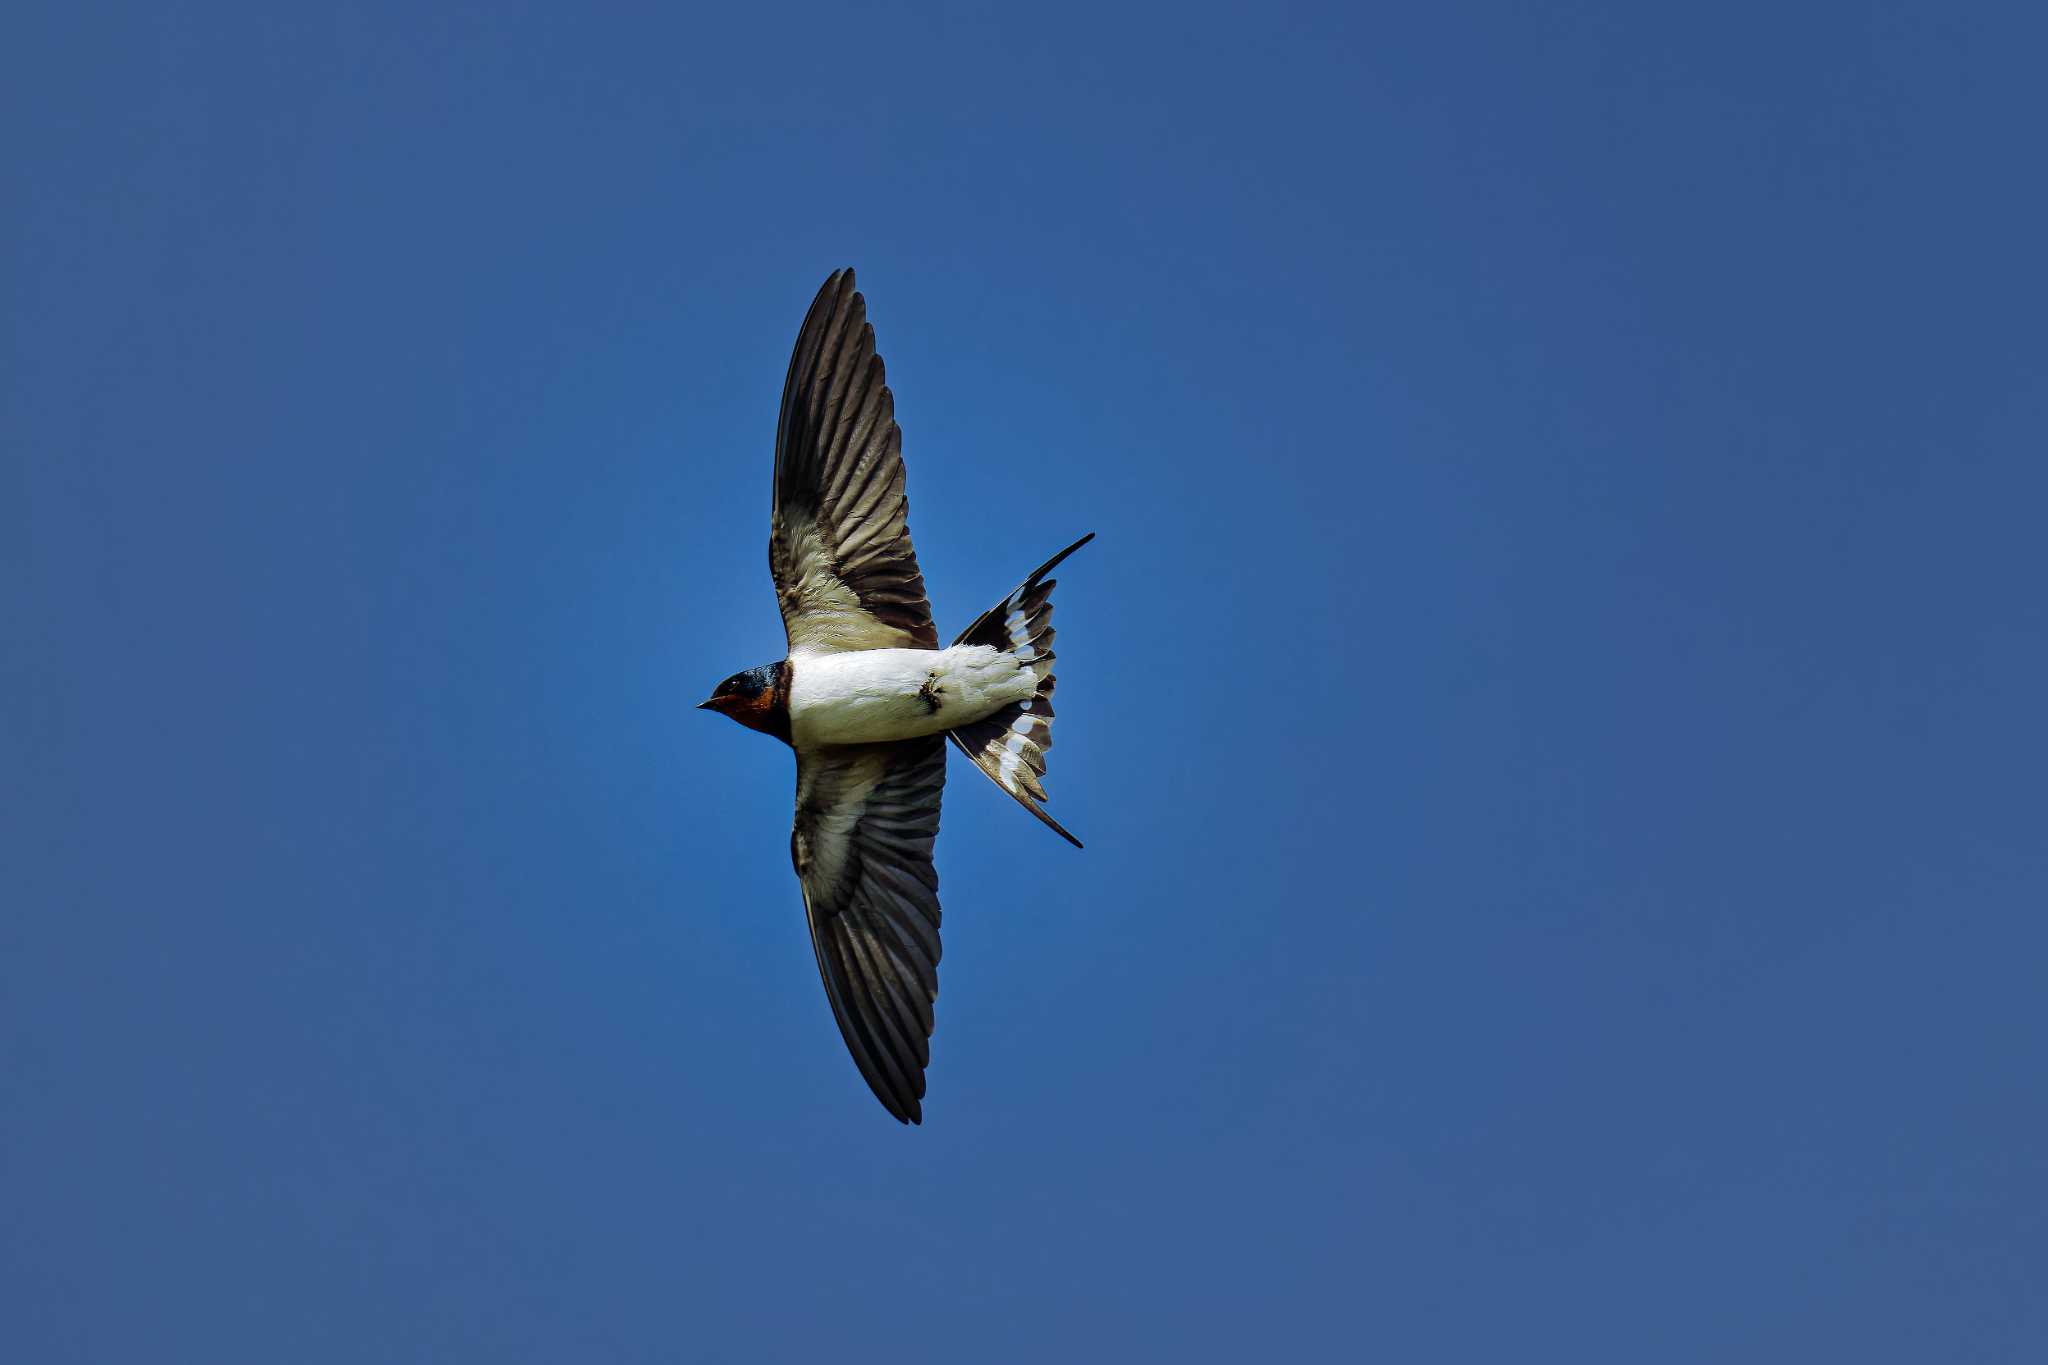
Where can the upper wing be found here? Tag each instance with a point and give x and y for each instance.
(865, 818)
(839, 543)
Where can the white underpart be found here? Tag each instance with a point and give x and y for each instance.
(869, 695)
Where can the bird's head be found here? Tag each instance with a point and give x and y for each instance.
(757, 699)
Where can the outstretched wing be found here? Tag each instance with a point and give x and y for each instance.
(866, 816)
(839, 543)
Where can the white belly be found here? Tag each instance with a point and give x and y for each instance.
(869, 695)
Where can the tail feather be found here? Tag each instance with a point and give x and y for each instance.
(1009, 746)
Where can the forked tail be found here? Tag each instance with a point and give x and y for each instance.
(1010, 745)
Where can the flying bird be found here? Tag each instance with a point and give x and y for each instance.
(868, 699)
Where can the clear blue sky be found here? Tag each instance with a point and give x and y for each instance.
(1555, 708)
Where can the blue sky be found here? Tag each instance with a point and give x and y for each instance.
(1555, 706)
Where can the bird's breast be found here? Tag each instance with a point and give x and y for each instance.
(875, 695)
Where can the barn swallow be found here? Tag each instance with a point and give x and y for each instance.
(868, 699)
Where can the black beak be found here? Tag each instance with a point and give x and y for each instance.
(705, 705)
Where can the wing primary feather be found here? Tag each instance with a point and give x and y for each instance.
(885, 1001)
(883, 1073)
(832, 972)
